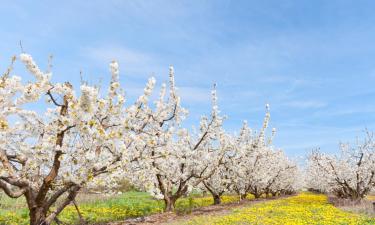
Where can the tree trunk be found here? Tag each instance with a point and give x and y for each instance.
(170, 203)
(216, 196)
(37, 216)
(356, 198)
(243, 196)
(257, 195)
(217, 199)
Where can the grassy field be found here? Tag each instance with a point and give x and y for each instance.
(303, 209)
(98, 209)
(306, 208)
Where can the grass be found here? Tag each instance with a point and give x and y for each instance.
(371, 198)
(305, 208)
(100, 209)
(363, 207)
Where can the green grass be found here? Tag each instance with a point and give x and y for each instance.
(99, 208)
(95, 208)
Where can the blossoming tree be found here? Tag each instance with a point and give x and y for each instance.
(258, 168)
(221, 180)
(350, 174)
(48, 154)
(173, 160)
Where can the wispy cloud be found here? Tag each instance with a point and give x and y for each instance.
(135, 63)
(313, 71)
(108, 53)
(194, 95)
(308, 104)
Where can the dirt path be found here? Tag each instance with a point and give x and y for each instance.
(167, 218)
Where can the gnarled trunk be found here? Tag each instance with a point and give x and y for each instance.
(41, 213)
(37, 216)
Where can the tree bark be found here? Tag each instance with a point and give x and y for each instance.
(37, 216)
(257, 195)
(170, 203)
(217, 199)
(216, 196)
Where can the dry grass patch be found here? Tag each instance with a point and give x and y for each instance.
(365, 206)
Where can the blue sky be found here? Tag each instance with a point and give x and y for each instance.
(312, 61)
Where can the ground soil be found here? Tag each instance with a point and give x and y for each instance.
(170, 217)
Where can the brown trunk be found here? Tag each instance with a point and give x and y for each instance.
(217, 199)
(355, 198)
(170, 203)
(37, 216)
(257, 195)
(243, 196)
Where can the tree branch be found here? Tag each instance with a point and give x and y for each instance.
(9, 192)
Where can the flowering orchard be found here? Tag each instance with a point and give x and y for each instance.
(87, 138)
